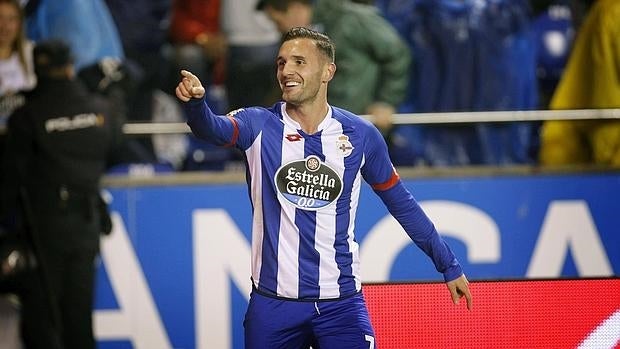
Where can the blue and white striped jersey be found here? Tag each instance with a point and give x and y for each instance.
(304, 190)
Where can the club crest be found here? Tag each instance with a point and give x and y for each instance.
(345, 148)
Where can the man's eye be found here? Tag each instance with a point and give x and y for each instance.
(299, 61)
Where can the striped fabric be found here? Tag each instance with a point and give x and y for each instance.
(304, 191)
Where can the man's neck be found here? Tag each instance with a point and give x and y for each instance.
(308, 116)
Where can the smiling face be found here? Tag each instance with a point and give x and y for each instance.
(303, 72)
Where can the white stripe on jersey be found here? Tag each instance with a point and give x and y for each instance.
(288, 240)
(353, 246)
(253, 155)
(326, 222)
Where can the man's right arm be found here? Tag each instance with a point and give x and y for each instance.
(217, 129)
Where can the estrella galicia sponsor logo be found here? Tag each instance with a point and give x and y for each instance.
(308, 184)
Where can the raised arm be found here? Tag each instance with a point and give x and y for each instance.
(204, 123)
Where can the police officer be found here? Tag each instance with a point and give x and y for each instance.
(58, 146)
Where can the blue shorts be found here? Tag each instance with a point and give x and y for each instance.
(272, 323)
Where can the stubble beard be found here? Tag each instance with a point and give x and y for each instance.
(300, 97)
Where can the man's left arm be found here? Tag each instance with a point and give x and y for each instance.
(402, 205)
(381, 175)
(421, 230)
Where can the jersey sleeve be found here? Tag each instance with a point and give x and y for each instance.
(377, 169)
(236, 129)
(383, 178)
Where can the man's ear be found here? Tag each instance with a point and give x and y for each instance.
(329, 72)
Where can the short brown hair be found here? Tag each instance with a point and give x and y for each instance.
(322, 41)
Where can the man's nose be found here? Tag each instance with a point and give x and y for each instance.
(287, 69)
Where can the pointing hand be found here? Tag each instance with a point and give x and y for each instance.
(189, 87)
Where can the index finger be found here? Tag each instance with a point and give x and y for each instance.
(468, 297)
(192, 78)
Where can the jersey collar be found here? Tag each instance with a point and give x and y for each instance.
(294, 124)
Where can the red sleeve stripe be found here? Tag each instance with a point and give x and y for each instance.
(235, 134)
(387, 184)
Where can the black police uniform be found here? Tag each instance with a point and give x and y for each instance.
(58, 147)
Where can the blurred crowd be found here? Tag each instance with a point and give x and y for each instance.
(393, 56)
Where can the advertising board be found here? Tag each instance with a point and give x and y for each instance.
(175, 271)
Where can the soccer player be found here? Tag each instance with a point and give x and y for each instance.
(305, 161)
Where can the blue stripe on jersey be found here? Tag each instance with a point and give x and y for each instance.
(306, 221)
(271, 160)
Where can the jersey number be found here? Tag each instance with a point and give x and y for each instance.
(305, 202)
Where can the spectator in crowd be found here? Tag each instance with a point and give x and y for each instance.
(200, 45)
(553, 33)
(16, 76)
(196, 37)
(86, 26)
(16, 71)
(373, 61)
(58, 146)
(143, 27)
(143, 30)
(591, 79)
(253, 42)
(468, 56)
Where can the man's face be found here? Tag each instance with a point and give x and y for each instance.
(302, 70)
(296, 15)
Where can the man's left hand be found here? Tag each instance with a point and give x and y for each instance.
(459, 287)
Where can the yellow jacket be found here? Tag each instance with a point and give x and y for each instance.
(591, 78)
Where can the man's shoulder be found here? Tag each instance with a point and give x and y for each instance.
(256, 111)
(349, 118)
